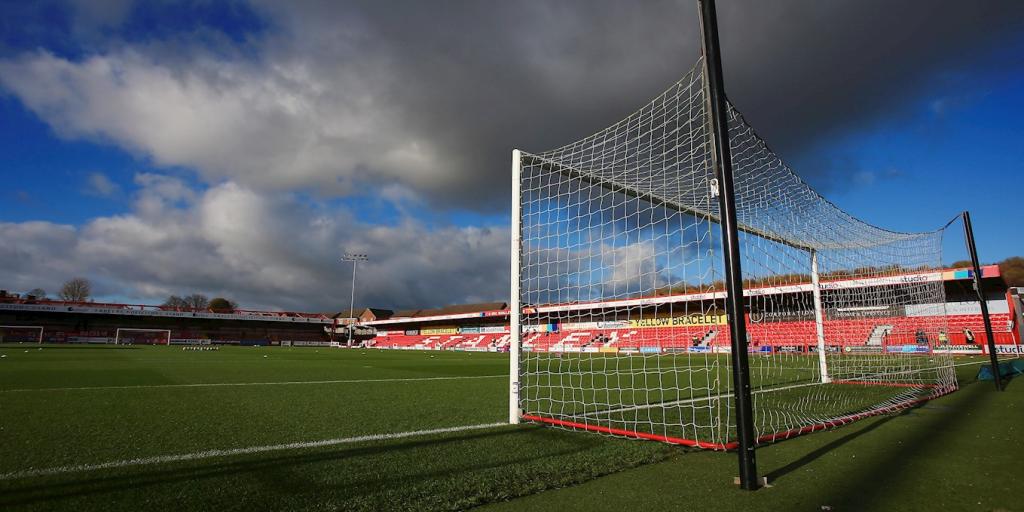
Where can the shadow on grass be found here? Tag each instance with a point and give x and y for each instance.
(274, 470)
(824, 450)
(859, 489)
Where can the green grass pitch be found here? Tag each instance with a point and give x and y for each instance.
(66, 411)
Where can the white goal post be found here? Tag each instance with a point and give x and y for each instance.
(514, 305)
(120, 339)
(4, 328)
(618, 295)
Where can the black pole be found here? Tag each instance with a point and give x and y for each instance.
(973, 249)
(722, 163)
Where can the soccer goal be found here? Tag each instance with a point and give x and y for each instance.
(128, 336)
(621, 271)
(21, 333)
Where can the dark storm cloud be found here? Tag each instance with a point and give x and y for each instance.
(805, 71)
(479, 78)
(430, 97)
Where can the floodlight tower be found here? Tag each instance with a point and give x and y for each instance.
(355, 259)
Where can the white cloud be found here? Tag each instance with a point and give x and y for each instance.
(269, 125)
(98, 184)
(33, 253)
(331, 97)
(633, 267)
(263, 250)
(255, 131)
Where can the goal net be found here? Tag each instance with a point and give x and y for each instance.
(618, 293)
(127, 336)
(21, 333)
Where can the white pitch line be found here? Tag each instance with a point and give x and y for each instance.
(164, 459)
(282, 383)
(984, 361)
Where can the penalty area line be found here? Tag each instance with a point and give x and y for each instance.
(282, 383)
(209, 454)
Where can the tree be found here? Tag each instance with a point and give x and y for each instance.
(961, 264)
(76, 290)
(175, 302)
(221, 305)
(38, 293)
(197, 301)
(1012, 270)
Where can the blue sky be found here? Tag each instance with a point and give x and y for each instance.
(48, 176)
(236, 148)
(958, 149)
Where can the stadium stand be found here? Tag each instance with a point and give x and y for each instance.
(91, 322)
(460, 328)
(484, 326)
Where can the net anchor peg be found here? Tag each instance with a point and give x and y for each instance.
(761, 482)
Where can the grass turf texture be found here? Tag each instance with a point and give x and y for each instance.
(945, 454)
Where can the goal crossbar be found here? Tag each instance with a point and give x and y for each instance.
(651, 197)
(41, 329)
